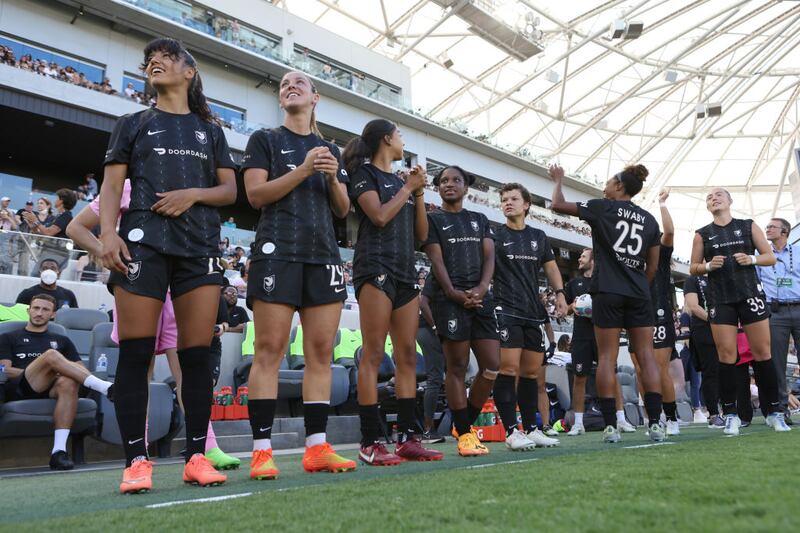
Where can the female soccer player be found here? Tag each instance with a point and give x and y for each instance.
(392, 215)
(295, 178)
(520, 252)
(725, 251)
(181, 170)
(461, 249)
(625, 239)
(80, 231)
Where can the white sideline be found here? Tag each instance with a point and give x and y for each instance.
(487, 465)
(199, 500)
(646, 445)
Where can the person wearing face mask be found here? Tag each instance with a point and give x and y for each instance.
(48, 284)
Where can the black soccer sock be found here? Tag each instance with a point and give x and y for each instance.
(528, 400)
(370, 424)
(197, 391)
(262, 416)
(406, 419)
(767, 382)
(608, 406)
(670, 411)
(505, 399)
(461, 420)
(727, 388)
(652, 406)
(473, 412)
(131, 392)
(315, 415)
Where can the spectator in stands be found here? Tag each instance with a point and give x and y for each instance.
(8, 221)
(237, 315)
(65, 201)
(21, 252)
(43, 215)
(229, 223)
(240, 257)
(48, 285)
(43, 365)
(129, 91)
(89, 189)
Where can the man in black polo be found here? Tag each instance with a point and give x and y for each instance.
(48, 274)
(40, 365)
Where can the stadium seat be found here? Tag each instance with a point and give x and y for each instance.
(626, 375)
(34, 418)
(79, 324)
(344, 351)
(161, 404)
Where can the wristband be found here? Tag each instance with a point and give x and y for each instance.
(662, 204)
(708, 266)
(753, 260)
(419, 195)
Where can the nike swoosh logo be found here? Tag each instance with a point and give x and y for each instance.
(155, 132)
(713, 237)
(388, 186)
(761, 313)
(367, 458)
(265, 429)
(447, 227)
(195, 439)
(135, 441)
(340, 289)
(284, 152)
(507, 243)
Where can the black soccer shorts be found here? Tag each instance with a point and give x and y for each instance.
(584, 356)
(297, 284)
(398, 292)
(520, 333)
(151, 273)
(746, 312)
(456, 323)
(618, 311)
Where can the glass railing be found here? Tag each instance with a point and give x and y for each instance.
(22, 253)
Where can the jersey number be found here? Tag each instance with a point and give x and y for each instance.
(630, 233)
(756, 304)
(660, 334)
(337, 275)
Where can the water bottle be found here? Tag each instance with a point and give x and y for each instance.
(101, 367)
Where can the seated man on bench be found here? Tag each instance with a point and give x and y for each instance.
(41, 365)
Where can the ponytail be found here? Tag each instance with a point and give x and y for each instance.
(197, 100)
(365, 146)
(632, 179)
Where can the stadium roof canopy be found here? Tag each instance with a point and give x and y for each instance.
(703, 92)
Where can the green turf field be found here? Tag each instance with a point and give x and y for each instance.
(700, 481)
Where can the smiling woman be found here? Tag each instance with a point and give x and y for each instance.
(180, 170)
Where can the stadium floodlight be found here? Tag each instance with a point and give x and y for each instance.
(708, 110)
(552, 76)
(622, 29)
(445, 60)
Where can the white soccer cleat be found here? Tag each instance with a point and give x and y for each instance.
(518, 441)
(625, 427)
(699, 417)
(657, 433)
(611, 435)
(577, 429)
(777, 422)
(541, 440)
(673, 428)
(732, 425)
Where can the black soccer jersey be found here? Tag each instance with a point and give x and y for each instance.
(582, 328)
(297, 228)
(166, 152)
(699, 286)
(662, 289)
(390, 249)
(732, 283)
(460, 236)
(22, 347)
(519, 255)
(622, 232)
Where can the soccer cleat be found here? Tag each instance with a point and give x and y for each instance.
(699, 417)
(377, 455)
(625, 427)
(577, 429)
(787, 417)
(732, 425)
(657, 433)
(322, 458)
(469, 445)
(745, 424)
(673, 428)
(611, 435)
(413, 450)
(549, 431)
(199, 471)
(262, 466)
(138, 477)
(518, 441)
(716, 422)
(221, 460)
(61, 461)
(430, 438)
(542, 440)
(778, 422)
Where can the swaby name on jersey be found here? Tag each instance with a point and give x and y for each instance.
(630, 214)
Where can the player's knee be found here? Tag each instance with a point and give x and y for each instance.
(269, 347)
(50, 356)
(65, 386)
(509, 369)
(490, 374)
